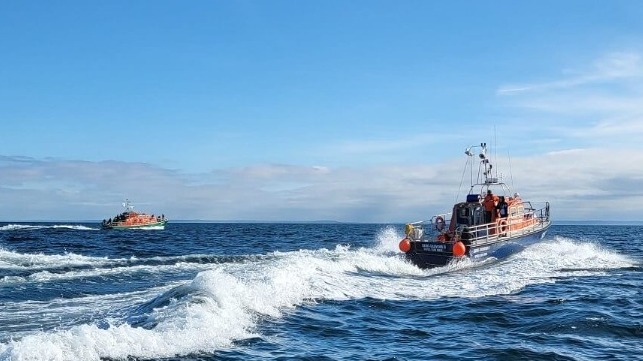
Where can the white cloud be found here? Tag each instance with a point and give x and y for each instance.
(598, 106)
(579, 183)
(611, 67)
(595, 118)
(581, 138)
(627, 128)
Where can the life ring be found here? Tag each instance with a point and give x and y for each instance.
(502, 226)
(439, 223)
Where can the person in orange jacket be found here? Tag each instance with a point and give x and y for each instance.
(489, 204)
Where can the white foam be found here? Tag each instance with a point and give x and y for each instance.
(40, 265)
(14, 227)
(76, 227)
(225, 303)
(62, 312)
(34, 261)
(46, 276)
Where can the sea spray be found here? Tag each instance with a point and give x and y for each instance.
(225, 302)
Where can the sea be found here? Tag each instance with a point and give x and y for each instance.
(334, 291)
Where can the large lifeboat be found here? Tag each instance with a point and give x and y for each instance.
(492, 222)
(129, 219)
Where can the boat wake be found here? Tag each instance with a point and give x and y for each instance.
(225, 302)
(15, 227)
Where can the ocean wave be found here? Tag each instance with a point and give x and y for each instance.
(225, 302)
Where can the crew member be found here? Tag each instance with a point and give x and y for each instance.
(489, 204)
(502, 208)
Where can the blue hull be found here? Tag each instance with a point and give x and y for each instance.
(429, 254)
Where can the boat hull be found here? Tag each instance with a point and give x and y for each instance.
(155, 225)
(429, 254)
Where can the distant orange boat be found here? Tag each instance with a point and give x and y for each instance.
(130, 219)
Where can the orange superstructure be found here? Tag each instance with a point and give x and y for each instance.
(132, 219)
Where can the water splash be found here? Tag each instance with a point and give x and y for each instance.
(225, 302)
(17, 227)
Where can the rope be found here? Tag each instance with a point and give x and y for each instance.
(455, 198)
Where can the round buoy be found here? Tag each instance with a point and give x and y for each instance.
(459, 249)
(405, 245)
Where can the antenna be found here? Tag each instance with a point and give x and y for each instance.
(128, 206)
(511, 173)
(495, 147)
(470, 155)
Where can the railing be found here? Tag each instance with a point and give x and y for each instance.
(436, 225)
(520, 224)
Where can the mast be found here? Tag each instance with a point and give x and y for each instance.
(128, 206)
(485, 169)
(484, 162)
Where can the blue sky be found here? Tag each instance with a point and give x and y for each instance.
(308, 110)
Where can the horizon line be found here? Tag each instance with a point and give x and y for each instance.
(322, 221)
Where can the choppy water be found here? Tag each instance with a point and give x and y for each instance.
(311, 291)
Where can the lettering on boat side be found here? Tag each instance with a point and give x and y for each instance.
(481, 249)
(434, 247)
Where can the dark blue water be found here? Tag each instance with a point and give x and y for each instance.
(312, 292)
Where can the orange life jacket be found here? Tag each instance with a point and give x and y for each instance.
(489, 202)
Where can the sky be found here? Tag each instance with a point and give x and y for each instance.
(286, 110)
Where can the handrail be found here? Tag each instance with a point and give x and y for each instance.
(522, 223)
